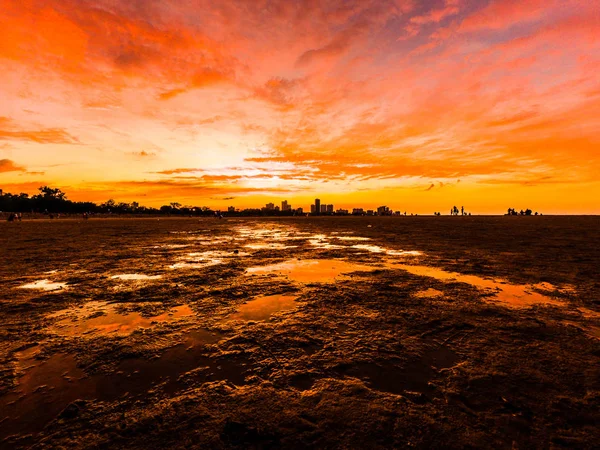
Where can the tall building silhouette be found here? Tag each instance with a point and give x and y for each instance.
(317, 206)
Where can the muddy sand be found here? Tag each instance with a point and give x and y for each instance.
(445, 332)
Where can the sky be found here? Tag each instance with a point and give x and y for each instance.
(418, 105)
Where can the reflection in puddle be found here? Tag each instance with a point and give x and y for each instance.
(320, 241)
(270, 245)
(44, 285)
(102, 318)
(429, 293)
(311, 270)
(170, 246)
(47, 387)
(204, 241)
(261, 308)
(204, 259)
(509, 294)
(136, 276)
(195, 265)
(277, 234)
(378, 249)
(43, 391)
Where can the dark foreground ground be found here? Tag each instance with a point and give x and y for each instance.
(366, 337)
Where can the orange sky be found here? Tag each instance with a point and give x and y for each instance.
(419, 105)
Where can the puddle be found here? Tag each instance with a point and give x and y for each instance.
(136, 277)
(311, 270)
(378, 249)
(320, 242)
(271, 233)
(47, 387)
(195, 265)
(170, 246)
(403, 253)
(44, 285)
(204, 259)
(203, 241)
(99, 318)
(262, 308)
(266, 236)
(510, 294)
(44, 390)
(272, 245)
(429, 293)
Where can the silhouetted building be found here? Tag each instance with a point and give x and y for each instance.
(285, 206)
(342, 212)
(313, 209)
(329, 209)
(317, 206)
(323, 209)
(370, 212)
(383, 211)
(270, 206)
(300, 211)
(358, 212)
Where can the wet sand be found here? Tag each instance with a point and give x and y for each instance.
(313, 332)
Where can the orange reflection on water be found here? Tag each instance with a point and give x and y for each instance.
(429, 293)
(261, 308)
(509, 294)
(101, 318)
(311, 270)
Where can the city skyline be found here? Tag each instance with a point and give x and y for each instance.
(420, 104)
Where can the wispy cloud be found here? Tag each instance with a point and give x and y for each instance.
(344, 95)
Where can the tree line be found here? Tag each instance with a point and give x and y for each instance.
(54, 201)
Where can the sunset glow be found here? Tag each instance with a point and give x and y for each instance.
(419, 105)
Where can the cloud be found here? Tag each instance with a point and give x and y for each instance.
(42, 136)
(175, 187)
(180, 170)
(143, 154)
(503, 14)
(451, 8)
(204, 78)
(6, 165)
(516, 118)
